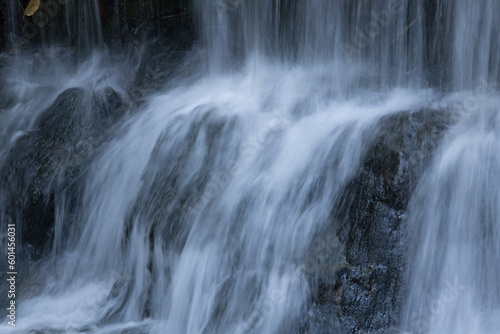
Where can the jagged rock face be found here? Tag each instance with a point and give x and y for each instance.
(46, 164)
(366, 289)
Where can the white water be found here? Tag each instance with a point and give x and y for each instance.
(271, 173)
(197, 216)
(455, 221)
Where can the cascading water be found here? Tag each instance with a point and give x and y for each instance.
(455, 223)
(197, 209)
(454, 215)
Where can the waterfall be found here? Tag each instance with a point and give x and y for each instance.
(455, 226)
(200, 207)
(454, 220)
(382, 39)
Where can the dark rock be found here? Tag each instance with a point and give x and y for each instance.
(162, 197)
(158, 34)
(319, 320)
(44, 166)
(365, 306)
(360, 272)
(129, 22)
(165, 196)
(374, 211)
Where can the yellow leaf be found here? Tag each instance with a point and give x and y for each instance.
(32, 7)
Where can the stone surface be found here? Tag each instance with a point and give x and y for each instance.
(364, 286)
(45, 165)
(157, 33)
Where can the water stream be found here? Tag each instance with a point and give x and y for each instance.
(196, 214)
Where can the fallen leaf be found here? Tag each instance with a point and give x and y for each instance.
(32, 7)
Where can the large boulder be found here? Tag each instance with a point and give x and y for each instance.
(171, 194)
(45, 165)
(362, 265)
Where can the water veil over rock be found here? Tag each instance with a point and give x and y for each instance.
(237, 166)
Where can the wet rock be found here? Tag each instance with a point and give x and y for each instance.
(44, 166)
(132, 22)
(366, 284)
(163, 57)
(172, 194)
(158, 34)
(3, 15)
(365, 305)
(163, 198)
(374, 229)
(320, 321)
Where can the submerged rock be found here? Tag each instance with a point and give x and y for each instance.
(171, 195)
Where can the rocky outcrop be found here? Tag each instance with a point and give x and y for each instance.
(46, 164)
(364, 286)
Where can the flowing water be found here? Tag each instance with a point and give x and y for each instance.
(196, 214)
